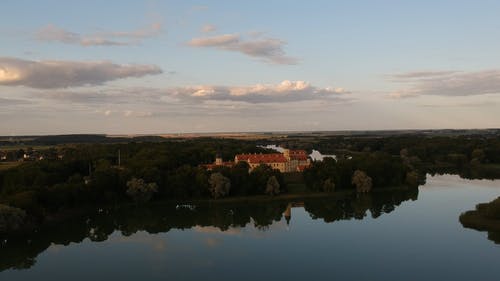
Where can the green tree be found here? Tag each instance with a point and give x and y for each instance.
(477, 156)
(362, 181)
(219, 185)
(273, 186)
(140, 191)
(328, 185)
(11, 218)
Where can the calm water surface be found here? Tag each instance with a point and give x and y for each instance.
(401, 235)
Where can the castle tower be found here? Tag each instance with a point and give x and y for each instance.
(218, 159)
(286, 153)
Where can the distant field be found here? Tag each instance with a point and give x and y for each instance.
(23, 146)
(238, 136)
(8, 165)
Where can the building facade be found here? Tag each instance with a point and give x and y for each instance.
(286, 162)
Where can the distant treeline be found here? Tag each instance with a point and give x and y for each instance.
(76, 138)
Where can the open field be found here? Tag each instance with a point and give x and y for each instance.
(23, 146)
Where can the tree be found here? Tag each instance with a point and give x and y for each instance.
(477, 156)
(219, 185)
(412, 178)
(140, 191)
(11, 218)
(362, 181)
(273, 186)
(328, 185)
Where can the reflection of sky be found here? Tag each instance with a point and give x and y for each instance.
(420, 240)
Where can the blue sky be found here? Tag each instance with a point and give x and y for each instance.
(202, 66)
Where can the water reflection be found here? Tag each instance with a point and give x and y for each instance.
(20, 252)
(484, 218)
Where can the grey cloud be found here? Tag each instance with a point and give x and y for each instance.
(448, 83)
(52, 33)
(267, 49)
(63, 74)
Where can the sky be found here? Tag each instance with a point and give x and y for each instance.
(153, 67)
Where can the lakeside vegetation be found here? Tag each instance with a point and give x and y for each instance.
(89, 176)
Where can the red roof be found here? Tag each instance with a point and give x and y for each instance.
(298, 155)
(262, 158)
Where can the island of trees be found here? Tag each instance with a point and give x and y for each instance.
(76, 177)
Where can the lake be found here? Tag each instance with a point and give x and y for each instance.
(392, 235)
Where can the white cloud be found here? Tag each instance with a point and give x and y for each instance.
(447, 83)
(215, 41)
(52, 33)
(63, 74)
(267, 49)
(286, 91)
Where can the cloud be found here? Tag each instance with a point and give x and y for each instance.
(420, 74)
(267, 49)
(286, 91)
(9, 102)
(124, 113)
(447, 83)
(132, 113)
(226, 97)
(215, 41)
(63, 74)
(207, 28)
(52, 33)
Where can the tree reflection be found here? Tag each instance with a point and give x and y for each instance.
(486, 217)
(355, 206)
(20, 251)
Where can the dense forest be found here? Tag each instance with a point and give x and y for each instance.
(86, 176)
